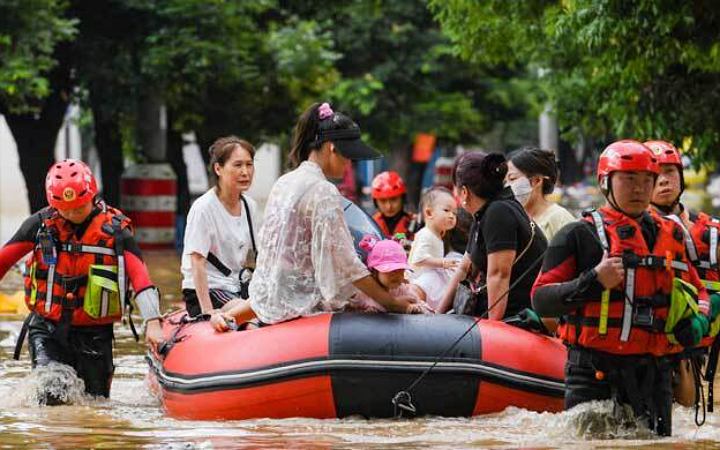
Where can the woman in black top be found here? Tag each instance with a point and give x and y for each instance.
(505, 248)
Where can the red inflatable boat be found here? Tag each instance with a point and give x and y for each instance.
(338, 365)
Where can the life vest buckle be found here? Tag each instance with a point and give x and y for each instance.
(643, 316)
(72, 247)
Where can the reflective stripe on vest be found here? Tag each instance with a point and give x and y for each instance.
(713, 244)
(604, 312)
(597, 220)
(629, 299)
(121, 278)
(49, 288)
(689, 244)
(629, 287)
(82, 248)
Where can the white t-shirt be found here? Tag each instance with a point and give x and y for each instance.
(212, 229)
(552, 219)
(425, 245)
(431, 280)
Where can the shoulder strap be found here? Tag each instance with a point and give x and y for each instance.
(600, 228)
(249, 221)
(116, 223)
(689, 244)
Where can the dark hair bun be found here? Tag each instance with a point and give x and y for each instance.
(494, 166)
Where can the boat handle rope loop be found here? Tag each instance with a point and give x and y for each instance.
(165, 347)
(402, 401)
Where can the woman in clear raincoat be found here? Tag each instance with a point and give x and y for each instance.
(306, 262)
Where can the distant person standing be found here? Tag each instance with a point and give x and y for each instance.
(219, 247)
(532, 174)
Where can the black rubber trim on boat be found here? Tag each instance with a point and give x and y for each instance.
(523, 381)
(387, 342)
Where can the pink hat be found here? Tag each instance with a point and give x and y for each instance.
(384, 256)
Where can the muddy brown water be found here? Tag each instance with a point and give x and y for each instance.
(133, 418)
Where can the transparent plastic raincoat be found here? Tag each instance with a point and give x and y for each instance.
(306, 258)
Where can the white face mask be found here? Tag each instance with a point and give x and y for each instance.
(522, 189)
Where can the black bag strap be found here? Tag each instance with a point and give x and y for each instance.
(222, 268)
(215, 261)
(249, 221)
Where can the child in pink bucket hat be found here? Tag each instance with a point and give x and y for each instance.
(387, 262)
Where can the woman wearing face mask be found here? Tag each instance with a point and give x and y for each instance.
(531, 175)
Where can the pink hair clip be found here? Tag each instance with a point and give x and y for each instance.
(325, 111)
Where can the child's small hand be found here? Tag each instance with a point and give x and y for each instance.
(449, 263)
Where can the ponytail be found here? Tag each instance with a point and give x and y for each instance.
(306, 134)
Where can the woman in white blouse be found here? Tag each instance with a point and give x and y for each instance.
(218, 251)
(306, 258)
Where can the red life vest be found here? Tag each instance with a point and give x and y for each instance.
(705, 233)
(406, 225)
(630, 320)
(94, 256)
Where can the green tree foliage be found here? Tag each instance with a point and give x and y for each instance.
(612, 68)
(398, 76)
(29, 32)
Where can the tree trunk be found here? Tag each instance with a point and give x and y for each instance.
(109, 147)
(152, 127)
(35, 134)
(175, 158)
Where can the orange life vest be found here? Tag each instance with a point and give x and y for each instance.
(705, 231)
(71, 268)
(405, 225)
(630, 320)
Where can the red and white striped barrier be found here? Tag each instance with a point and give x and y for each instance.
(443, 172)
(148, 196)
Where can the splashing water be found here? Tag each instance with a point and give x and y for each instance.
(52, 384)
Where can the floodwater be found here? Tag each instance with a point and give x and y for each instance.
(133, 418)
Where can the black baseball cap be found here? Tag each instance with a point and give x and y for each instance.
(349, 143)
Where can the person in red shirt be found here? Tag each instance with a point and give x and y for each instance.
(83, 258)
(616, 279)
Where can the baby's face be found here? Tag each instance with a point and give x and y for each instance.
(391, 280)
(442, 213)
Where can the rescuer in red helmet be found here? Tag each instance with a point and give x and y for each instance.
(388, 193)
(83, 261)
(629, 298)
(702, 233)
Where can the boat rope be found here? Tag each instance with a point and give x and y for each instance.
(402, 401)
(185, 319)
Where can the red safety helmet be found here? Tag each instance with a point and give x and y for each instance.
(70, 184)
(665, 152)
(387, 185)
(625, 156)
